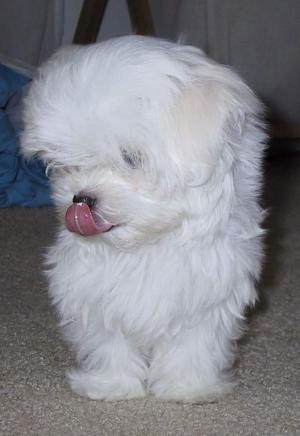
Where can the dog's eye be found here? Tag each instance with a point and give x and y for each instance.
(132, 158)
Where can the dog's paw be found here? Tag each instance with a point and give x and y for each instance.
(187, 392)
(105, 386)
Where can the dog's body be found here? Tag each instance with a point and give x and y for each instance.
(162, 149)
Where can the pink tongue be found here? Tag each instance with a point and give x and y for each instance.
(79, 219)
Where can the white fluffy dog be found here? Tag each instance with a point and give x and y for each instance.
(154, 154)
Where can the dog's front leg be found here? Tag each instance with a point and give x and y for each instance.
(110, 367)
(193, 365)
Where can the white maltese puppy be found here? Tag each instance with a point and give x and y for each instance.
(154, 155)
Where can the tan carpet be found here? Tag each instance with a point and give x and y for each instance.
(35, 400)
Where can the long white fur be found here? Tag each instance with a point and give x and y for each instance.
(157, 303)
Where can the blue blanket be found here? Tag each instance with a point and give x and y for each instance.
(22, 183)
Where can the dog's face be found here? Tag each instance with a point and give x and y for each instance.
(132, 131)
(118, 199)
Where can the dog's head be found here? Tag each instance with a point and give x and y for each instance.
(137, 135)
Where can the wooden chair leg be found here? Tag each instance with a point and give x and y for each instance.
(281, 130)
(92, 13)
(90, 19)
(141, 17)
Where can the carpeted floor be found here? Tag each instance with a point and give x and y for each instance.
(35, 400)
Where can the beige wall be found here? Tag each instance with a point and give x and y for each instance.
(259, 38)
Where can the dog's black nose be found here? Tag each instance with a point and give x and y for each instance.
(82, 198)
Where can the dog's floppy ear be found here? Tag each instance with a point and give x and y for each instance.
(210, 120)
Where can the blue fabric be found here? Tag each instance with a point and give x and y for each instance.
(22, 183)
